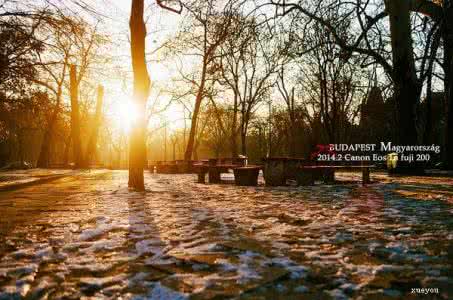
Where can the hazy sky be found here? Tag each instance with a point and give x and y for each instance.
(161, 24)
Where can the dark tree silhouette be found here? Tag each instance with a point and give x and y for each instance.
(75, 117)
(137, 152)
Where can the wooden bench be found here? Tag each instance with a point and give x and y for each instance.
(215, 167)
(326, 173)
(183, 167)
(166, 167)
(243, 175)
(201, 168)
(277, 170)
(172, 167)
(247, 175)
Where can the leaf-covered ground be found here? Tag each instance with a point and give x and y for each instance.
(87, 235)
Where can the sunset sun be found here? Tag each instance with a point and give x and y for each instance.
(125, 113)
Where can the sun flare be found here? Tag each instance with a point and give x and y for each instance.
(125, 113)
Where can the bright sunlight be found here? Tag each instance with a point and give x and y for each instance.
(125, 113)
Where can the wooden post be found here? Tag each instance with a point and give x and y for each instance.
(328, 175)
(305, 177)
(246, 176)
(214, 173)
(190, 166)
(201, 172)
(201, 177)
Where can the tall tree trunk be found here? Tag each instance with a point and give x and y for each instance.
(174, 151)
(270, 153)
(137, 150)
(292, 138)
(243, 129)
(234, 146)
(20, 144)
(92, 143)
(67, 145)
(75, 117)
(193, 126)
(292, 119)
(427, 135)
(448, 83)
(195, 150)
(243, 143)
(406, 85)
(44, 154)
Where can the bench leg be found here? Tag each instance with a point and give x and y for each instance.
(328, 176)
(366, 176)
(274, 174)
(214, 176)
(305, 178)
(246, 178)
(201, 177)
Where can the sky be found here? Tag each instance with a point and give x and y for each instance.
(161, 25)
(113, 18)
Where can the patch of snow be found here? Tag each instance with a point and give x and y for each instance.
(23, 270)
(161, 260)
(22, 253)
(389, 269)
(102, 229)
(44, 253)
(149, 246)
(160, 292)
(225, 265)
(296, 271)
(301, 289)
(349, 287)
(337, 294)
(200, 267)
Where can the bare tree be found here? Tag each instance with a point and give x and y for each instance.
(288, 93)
(247, 63)
(91, 151)
(206, 29)
(137, 152)
(402, 68)
(72, 42)
(75, 117)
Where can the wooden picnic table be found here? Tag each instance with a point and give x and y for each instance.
(247, 175)
(171, 167)
(310, 173)
(244, 175)
(277, 170)
(166, 167)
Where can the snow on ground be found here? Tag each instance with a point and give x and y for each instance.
(90, 236)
